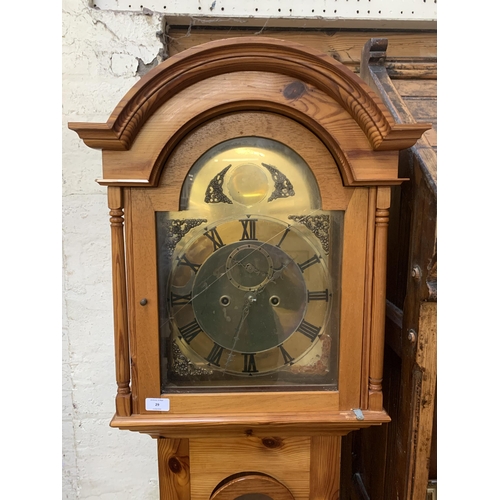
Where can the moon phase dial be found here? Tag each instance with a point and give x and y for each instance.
(244, 307)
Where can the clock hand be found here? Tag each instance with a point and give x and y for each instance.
(251, 269)
(249, 299)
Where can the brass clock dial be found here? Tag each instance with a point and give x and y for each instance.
(254, 298)
(249, 273)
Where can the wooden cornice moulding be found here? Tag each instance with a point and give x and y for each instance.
(258, 424)
(249, 54)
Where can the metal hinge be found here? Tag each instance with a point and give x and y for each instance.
(359, 414)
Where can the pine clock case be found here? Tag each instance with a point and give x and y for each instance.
(329, 116)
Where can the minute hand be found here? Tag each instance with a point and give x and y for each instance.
(249, 300)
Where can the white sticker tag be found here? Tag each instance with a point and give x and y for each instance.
(157, 404)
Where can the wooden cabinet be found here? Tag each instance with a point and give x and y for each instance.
(398, 461)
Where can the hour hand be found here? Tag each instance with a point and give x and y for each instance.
(251, 269)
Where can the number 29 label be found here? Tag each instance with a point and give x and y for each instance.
(157, 404)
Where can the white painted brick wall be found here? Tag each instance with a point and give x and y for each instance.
(100, 59)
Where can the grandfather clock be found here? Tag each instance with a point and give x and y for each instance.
(249, 187)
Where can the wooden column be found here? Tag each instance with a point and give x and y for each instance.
(378, 298)
(122, 362)
(367, 322)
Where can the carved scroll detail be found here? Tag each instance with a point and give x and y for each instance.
(183, 366)
(283, 188)
(176, 230)
(214, 192)
(319, 225)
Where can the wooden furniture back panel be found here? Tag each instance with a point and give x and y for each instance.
(420, 97)
(343, 45)
(393, 462)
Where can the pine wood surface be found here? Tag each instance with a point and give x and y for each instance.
(352, 303)
(257, 424)
(213, 459)
(383, 202)
(325, 468)
(141, 164)
(253, 484)
(221, 57)
(367, 324)
(173, 469)
(120, 316)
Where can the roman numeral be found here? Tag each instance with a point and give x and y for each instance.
(215, 354)
(323, 295)
(249, 364)
(249, 229)
(308, 263)
(286, 357)
(310, 331)
(183, 261)
(190, 331)
(287, 230)
(214, 237)
(180, 300)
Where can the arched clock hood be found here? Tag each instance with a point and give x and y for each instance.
(249, 74)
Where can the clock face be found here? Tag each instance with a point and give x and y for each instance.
(250, 295)
(249, 274)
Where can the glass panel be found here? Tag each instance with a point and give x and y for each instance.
(249, 274)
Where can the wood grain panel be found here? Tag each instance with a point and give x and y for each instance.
(120, 316)
(342, 45)
(367, 324)
(325, 468)
(252, 485)
(144, 329)
(253, 424)
(263, 55)
(352, 305)
(378, 298)
(248, 91)
(286, 459)
(423, 412)
(257, 402)
(416, 88)
(173, 469)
